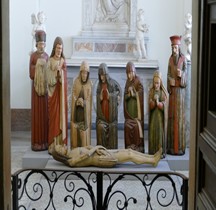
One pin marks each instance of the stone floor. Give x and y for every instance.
(23, 157)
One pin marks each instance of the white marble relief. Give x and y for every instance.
(111, 11)
(103, 17)
(114, 31)
(84, 47)
(110, 47)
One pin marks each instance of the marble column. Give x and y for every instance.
(187, 104)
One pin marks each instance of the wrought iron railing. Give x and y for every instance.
(98, 190)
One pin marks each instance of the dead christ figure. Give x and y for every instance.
(99, 156)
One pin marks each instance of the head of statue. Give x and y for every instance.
(40, 37)
(57, 50)
(175, 40)
(157, 80)
(103, 72)
(84, 71)
(130, 71)
(175, 44)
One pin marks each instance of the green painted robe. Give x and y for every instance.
(157, 122)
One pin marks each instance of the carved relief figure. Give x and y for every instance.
(57, 92)
(176, 85)
(107, 99)
(110, 11)
(99, 156)
(141, 28)
(133, 110)
(158, 113)
(39, 101)
(38, 24)
(188, 35)
(81, 108)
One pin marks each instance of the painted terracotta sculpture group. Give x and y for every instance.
(49, 110)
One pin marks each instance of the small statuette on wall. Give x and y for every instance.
(188, 35)
(141, 29)
(38, 23)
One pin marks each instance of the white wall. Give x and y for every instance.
(64, 18)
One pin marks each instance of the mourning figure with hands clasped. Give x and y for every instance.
(57, 95)
(133, 110)
(107, 98)
(81, 108)
(158, 113)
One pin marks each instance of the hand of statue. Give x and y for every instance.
(156, 98)
(172, 82)
(83, 157)
(41, 61)
(58, 75)
(57, 67)
(179, 72)
(119, 99)
(58, 71)
(107, 93)
(152, 104)
(80, 102)
(100, 151)
(101, 95)
(130, 91)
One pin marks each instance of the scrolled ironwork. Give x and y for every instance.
(162, 193)
(101, 190)
(76, 199)
(147, 187)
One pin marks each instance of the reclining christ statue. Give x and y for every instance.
(99, 156)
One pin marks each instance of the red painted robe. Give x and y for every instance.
(105, 102)
(39, 106)
(57, 102)
(134, 116)
(107, 114)
(176, 114)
